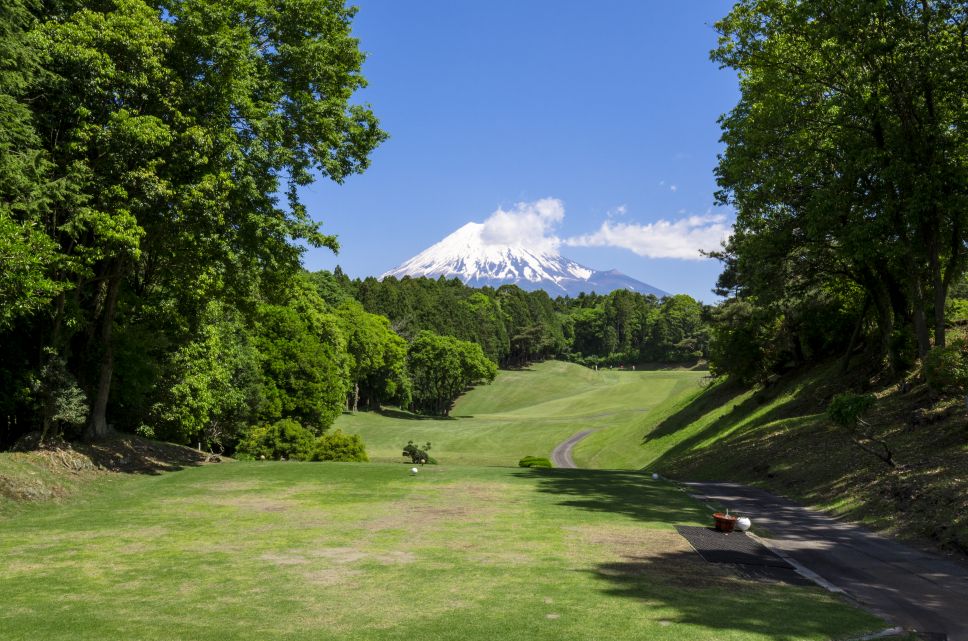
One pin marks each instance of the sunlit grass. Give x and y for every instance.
(351, 551)
(529, 412)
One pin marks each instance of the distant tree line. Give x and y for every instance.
(515, 327)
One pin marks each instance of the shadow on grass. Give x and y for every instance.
(124, 453)
(712, 597)
(390, 412)
(632, 494)
(672, 367)
(708, 402)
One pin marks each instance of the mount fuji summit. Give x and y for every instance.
(466, 255)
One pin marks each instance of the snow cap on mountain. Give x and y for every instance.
(502, 251)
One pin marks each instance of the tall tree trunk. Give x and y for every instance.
(885, 320)
(98, 427)
(920, 319)
(356, 396)
(940, 296)
(855, 335)
(943, 282)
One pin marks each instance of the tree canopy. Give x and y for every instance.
(846, 160)
(152, 156)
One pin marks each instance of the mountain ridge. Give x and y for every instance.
(464, 254)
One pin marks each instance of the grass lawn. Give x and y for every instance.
(529, 412)
(269, 551)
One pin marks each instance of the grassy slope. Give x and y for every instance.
(776, 438)
(529, 412)
(273, 551)
(779, 439)
(64, 470)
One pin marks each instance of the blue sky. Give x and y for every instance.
(609, 107)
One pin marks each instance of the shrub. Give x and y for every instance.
(847, 408)
(338, 446)
(534, 461)
(285, 438)
(418, 455)
(946, 368)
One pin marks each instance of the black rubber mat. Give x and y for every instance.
(716, 547)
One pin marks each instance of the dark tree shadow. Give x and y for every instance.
(391, 412)
(633, 494)
(124, 453)
(712, 596)
(710, 401)
(716, 597)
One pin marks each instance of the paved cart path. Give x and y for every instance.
(561, 455)
(915, 589)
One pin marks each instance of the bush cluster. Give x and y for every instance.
(287, 439)
(946, 368)
(338, 446)
(534, 461)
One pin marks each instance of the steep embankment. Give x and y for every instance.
(60, 469)
(779, 438)
(529, 412)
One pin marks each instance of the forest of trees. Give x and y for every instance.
(846, 160)
(151, 155)
(515, 327)
(151, 231)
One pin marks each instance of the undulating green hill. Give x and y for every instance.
(530, 411)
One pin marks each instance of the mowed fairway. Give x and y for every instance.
(268, 551)
(528, 412)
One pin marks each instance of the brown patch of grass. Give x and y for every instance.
(336, 576)
(396, 557)
(503, 558)
(340, 554)
(284, 558)
(229, 486)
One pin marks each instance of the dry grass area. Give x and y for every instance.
(58, 469)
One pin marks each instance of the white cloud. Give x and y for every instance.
(673, 188)
(529, 225)
(682, 238)
(621, 210)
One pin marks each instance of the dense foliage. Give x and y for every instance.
(846, 160)
(535, 461)
(148, 269)
(515, 327)
(444, 367)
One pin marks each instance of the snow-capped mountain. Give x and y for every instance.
(465, 255)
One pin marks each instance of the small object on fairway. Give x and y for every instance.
(413, 470)
(655, 476)
(743, 523)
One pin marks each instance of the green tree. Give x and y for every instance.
(376, 358)
(213, 387)
(27, 254)
(303, 368)
(846, 157)
(176, 125)
(442, 368)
